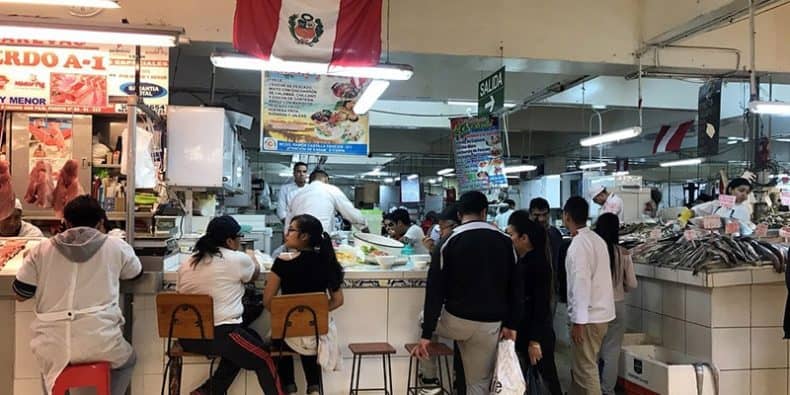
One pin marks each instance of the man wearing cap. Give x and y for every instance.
(13, 226)
(609, 202)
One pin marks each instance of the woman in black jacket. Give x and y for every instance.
(536, 339)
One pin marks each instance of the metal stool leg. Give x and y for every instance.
(408, 380)
(384, 371)
(359, 373)
(353, 371)
(450, 375)
(389, 370)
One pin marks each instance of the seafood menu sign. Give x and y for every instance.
(78, 78)
(478, 153)
(312, 114)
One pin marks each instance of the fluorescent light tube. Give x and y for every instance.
(450, 175)
(519, 169)
(24, 28)
(69, 3)
(769, 107)
(440, 179)
(431, 181)
(682, 162)
(611, 136)
(389, 180)
(372, 93)
(783, 140)
(445, 172)
(398, 72)
(468, 103)
(284, 174)
(595, 165)
(620, 173)
(413, 177)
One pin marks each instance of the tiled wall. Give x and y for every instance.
(369, 314)
(737, 328)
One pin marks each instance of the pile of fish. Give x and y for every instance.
(711, 251)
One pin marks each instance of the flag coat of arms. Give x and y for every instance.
(670, 137)
(335, 32)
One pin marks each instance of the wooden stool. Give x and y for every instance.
(442, 353)
(361, 349)
(96, 375)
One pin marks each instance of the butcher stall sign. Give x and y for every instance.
(77, 78)
(312, 114)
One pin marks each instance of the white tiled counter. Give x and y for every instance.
(731, 318)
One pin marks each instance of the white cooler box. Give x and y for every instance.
(664, 371)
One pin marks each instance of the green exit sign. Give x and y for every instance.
(491, 93)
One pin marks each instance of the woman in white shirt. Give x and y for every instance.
(217, 269)
(623, 280)
(740, 188)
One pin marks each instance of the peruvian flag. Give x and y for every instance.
(669, 138)
(335, 32)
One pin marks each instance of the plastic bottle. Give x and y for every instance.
(407, 250)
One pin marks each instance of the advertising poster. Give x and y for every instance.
(312, 114)
(37, 76)
(50, 146)
(477, 143)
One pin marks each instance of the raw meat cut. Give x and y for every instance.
(40, 185)
(79, 89)
(49, 133)
(10, 249)
(7, 196)
(68, 187)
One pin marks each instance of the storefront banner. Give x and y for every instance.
(477, 144)
(74, 78)
(312, 114)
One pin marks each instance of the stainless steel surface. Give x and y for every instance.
(81, 151)
(148, 283)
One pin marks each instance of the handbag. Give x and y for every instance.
(534, 381)
(253, 304)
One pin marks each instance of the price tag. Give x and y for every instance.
(711, 222)
(732, 227)
(784, 232)
(762, 230)
(690, 235)
(655, 234)
(785, 197)
(727, 201)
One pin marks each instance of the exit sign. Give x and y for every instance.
(491, 93)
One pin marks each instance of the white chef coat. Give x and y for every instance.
(414, 236)
(77, 281)
(590, 292)
(29, 230)
(322, 200)
(739, 211)
(614, 205)
(287, 192)
(221, 276)
(502, 218)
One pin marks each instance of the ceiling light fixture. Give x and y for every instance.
(440, 179)
(431, 181)
(26, 28)
(519, 169)
(469, 103)
(609, 137)
(413, 177)
(397, 72)
(769, 107)
(782, 140)
(620, 173)
(389, 180)
(372, 92)
(595, 165)
(69, 3)
(445, 172)
(682, 162)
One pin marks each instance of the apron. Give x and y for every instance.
(89, 334)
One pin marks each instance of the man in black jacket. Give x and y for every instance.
(475, 280)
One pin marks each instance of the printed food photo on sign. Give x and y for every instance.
(313, 114)
(78, 89)
(49, 147)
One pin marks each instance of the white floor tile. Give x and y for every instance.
(734, 382)
(769, 350)
(730, 348)
(730, 307)
(769, 382)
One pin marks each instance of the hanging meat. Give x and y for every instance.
(7, 196)
(67, 188)
(40, 185)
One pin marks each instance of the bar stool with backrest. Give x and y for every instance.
(183, 316)
(298, 315)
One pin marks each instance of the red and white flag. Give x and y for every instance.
(670, 138)
(336, 32)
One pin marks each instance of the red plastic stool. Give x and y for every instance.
(96, 375)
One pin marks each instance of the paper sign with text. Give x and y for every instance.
(727, 201)
(762, 230)
(732, 227)
(711, 222)
(785, 198)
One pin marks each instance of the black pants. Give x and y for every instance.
(312, 371)
(546, 366)
(239, 348)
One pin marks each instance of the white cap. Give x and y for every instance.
(17, 204)
(596, 190)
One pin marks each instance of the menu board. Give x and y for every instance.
(477, 143)
(77, 77)
(312, 114)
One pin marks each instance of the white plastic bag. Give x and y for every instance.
(145, 170)
(508, 379)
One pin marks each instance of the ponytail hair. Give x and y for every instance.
(219, 230)
(321, 243)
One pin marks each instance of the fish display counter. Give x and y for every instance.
(720, 300)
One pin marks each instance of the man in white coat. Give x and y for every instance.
(288, 191)
(322, 200)
(74, 280)
(609, 202)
